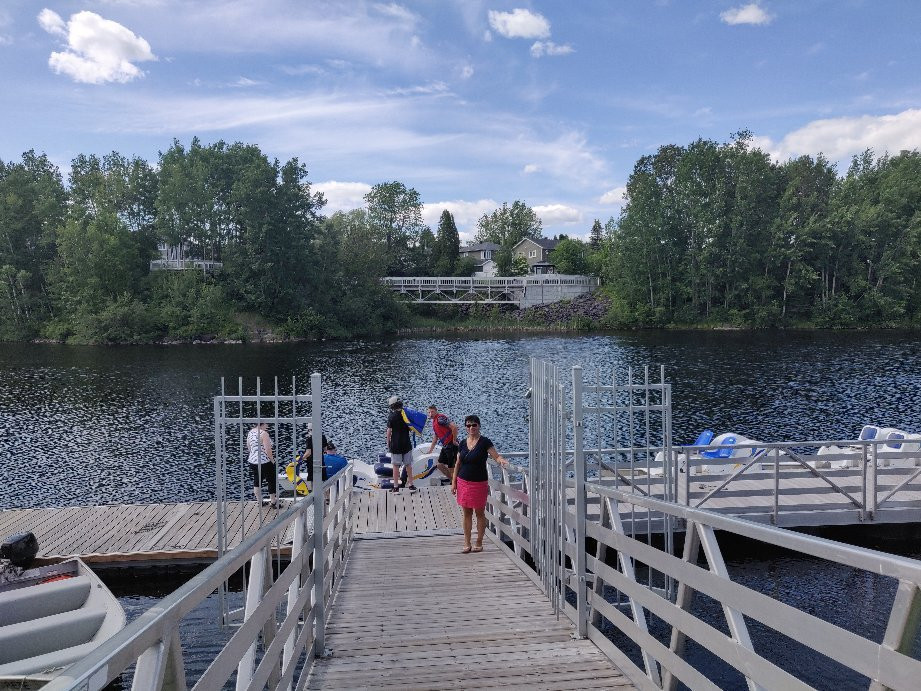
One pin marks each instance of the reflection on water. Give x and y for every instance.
(81, 425)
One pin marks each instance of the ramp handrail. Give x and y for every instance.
(263, 649)
(616, 557)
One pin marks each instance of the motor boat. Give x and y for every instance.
(50, 617)
(894, 448)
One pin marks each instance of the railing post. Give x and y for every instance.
(254, 592)
(294, 589)
(776, 486)
(319, 504)
(579, 462)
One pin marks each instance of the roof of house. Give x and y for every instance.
(546, 243)
(479, 247)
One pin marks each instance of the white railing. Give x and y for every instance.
(578, 540)
(177, 264)
(610, 593)
(265, 649)
(513, 282)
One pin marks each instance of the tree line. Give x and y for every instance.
(718, 233)
(710, 233)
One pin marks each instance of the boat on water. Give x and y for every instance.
(893, 448)
(365, 476)
(50, 617)
(725, 457)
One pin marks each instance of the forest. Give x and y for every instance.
(710, 234)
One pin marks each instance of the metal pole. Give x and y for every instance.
(579, 462)
(319, 565)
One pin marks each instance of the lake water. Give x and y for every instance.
(84, 425)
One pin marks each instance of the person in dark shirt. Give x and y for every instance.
(471, 480)
(399, 445)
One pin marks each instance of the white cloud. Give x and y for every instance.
(552, 214)
(840, 138)
(747, 14)
(397, 12)
(246, 82)
(51, 22)
(421, 90)
(519, 23)
(531, 168)
(342, 196)
(541, 48)
(466, 71)
(613, 196)
(99, 50)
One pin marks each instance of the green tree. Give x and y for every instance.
(509, 225)
(570, 256)
(595, 236)
(271, 268)
(32, 209)
(447, 245)
(395, 212)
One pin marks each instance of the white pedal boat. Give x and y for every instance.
(368, 476)
(713, 461)
(895, 448)
(50, 617)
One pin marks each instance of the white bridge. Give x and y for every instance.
(523, 291)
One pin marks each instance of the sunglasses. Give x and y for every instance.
(472, 424)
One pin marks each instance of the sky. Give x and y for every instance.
(471, 103)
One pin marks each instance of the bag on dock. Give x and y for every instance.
(20, 549)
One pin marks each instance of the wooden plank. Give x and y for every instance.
(496, 629)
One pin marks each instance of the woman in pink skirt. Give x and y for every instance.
(471, 480)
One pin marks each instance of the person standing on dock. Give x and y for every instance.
(471, 480)
(446, 434)
(262, 461)
(398, 444)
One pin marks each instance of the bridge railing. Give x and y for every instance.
(266, 649)
(613, 590)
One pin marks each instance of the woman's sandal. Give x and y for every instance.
(467, 550)
(477, 548)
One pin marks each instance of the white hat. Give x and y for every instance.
(393, 400)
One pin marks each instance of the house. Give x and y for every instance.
(536, 251)
(482, 254)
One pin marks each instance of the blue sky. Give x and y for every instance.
(471, 103)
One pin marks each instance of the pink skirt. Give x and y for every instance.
(472, 495)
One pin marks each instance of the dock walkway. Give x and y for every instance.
(413, 612)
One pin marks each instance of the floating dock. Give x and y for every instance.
(157, 534)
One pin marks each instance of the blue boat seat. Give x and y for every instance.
(868, 433)
(703, 438)
(723, 452)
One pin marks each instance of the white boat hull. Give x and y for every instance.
(50, 617)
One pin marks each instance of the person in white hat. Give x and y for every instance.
(399, 444)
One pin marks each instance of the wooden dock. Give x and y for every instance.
(123, 534)
(413, 612)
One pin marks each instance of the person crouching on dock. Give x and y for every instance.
(471, 480)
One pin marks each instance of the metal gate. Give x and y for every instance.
(614, 428)
(295, 420)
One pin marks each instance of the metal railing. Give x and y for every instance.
(506, 290)
(569, 533)
(205, 265)
(266, 649)
(605, 580)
